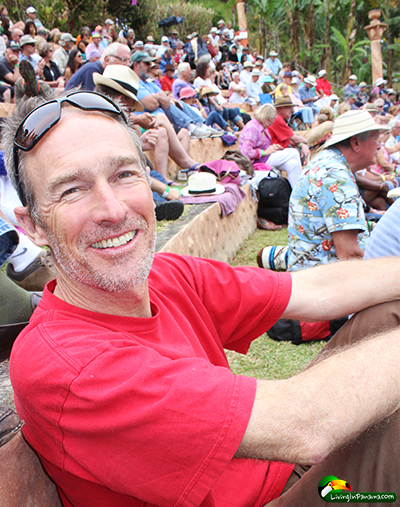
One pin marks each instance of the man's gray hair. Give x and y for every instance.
(10, 128)
(394, 123)
(346, 143)
(111, 50)
(182, 67)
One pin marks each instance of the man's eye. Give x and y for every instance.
(70, 191)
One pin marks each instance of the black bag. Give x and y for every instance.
(297, 331)
(273, 204)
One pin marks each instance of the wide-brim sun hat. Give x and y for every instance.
(351, 124)
(202, 184)
(273, 53)
(380, 81)
(207, 92)
(248, 64)
(26, 39)
(319, 134)
(321, 73)
(122, 79)
(284, 102)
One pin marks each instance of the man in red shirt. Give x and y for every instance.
(168, 79)
(121, 375)
(281, 133)
(323, 85)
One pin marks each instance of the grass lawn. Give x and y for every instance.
(267, 358)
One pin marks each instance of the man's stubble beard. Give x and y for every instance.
(82, 271)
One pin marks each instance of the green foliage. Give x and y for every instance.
(144, 17)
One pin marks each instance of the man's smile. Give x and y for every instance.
(114, 242)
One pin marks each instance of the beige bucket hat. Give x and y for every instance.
(352, 123)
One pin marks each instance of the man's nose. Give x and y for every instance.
(107, 205)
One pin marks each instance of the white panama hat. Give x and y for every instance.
(351, 124)
(203, 183)
(122, 79)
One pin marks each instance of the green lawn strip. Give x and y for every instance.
(269, 359)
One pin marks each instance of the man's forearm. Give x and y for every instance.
(341, 288)
(304, 418)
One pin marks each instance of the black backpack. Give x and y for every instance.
(274, 194)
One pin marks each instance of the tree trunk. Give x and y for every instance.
(327, 50)
(350, 43)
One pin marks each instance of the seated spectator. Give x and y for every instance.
(287, 79)
(130, 38)
(164, 46)
(273, 64)
(351, 101)
(256, 143)
(384, 240)
(84, 41)
(323, 86)
(308, 94)
(74, 63)
(30, 29)
(306, 114)
(28, 51)
(253, 88)
(351, 86)
(94, 49)
(51, 72)
(326, 214)
(362, 97)
(379, 85)
(238, 89)
(67, 43)
(392, 144)
(245, 73)
(184, 73)
(167, 79)
(232, 54)
(189, 97)
(166, 59)
(282, 134)
(9, 71)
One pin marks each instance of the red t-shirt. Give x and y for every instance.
(280, 132)
(166, 83)
(135, 412)
(324, 85)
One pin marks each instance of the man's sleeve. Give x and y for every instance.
(281, 132)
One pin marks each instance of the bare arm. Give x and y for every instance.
(337, 289)
(393, 149)
(346, 245)
(296, 139)
(304, 418)
(150, 102)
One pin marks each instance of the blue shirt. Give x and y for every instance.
(147, 88)
(306, 93)
(274, 66)
(385, 237)
(84, 76)
(325, 200)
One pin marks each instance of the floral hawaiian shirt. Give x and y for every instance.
(325, 200)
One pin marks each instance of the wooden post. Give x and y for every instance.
(375, 31)
(242, 20)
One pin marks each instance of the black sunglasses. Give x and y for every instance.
(39, 121)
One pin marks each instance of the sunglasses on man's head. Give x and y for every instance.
(39, 121)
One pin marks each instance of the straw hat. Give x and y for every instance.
(248, 64)
(351, 124)
(284, 102)
(318, 135)
(321, 73)
(206, 92)
(203, 184)
(273, 53)
(122, 79)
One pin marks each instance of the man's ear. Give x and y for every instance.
(35, 232)
(355, 144)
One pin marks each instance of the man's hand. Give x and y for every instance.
(305, 150)
(149, 139)
(164, 101)
(144, 120)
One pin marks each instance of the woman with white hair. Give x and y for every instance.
(255, 142)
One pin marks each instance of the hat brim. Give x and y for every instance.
(339, 138)
(209, 94)
(219, 189)
(111, 83)
(284, 105)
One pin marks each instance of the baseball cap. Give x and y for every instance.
(221, 21)
(164, 39)
(363, 84)
(141, 56)
(353, 77)
(169, 67)
(150, 38)
(108, 21)
(13, 45)
(321, 73)
(30, 10)
(67, 37)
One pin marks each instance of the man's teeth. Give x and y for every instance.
(110, 243)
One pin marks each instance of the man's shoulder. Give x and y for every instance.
(5, 67)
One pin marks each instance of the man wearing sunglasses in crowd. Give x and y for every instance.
(121, 377)
(114, 54)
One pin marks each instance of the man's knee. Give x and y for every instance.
(184, 134)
